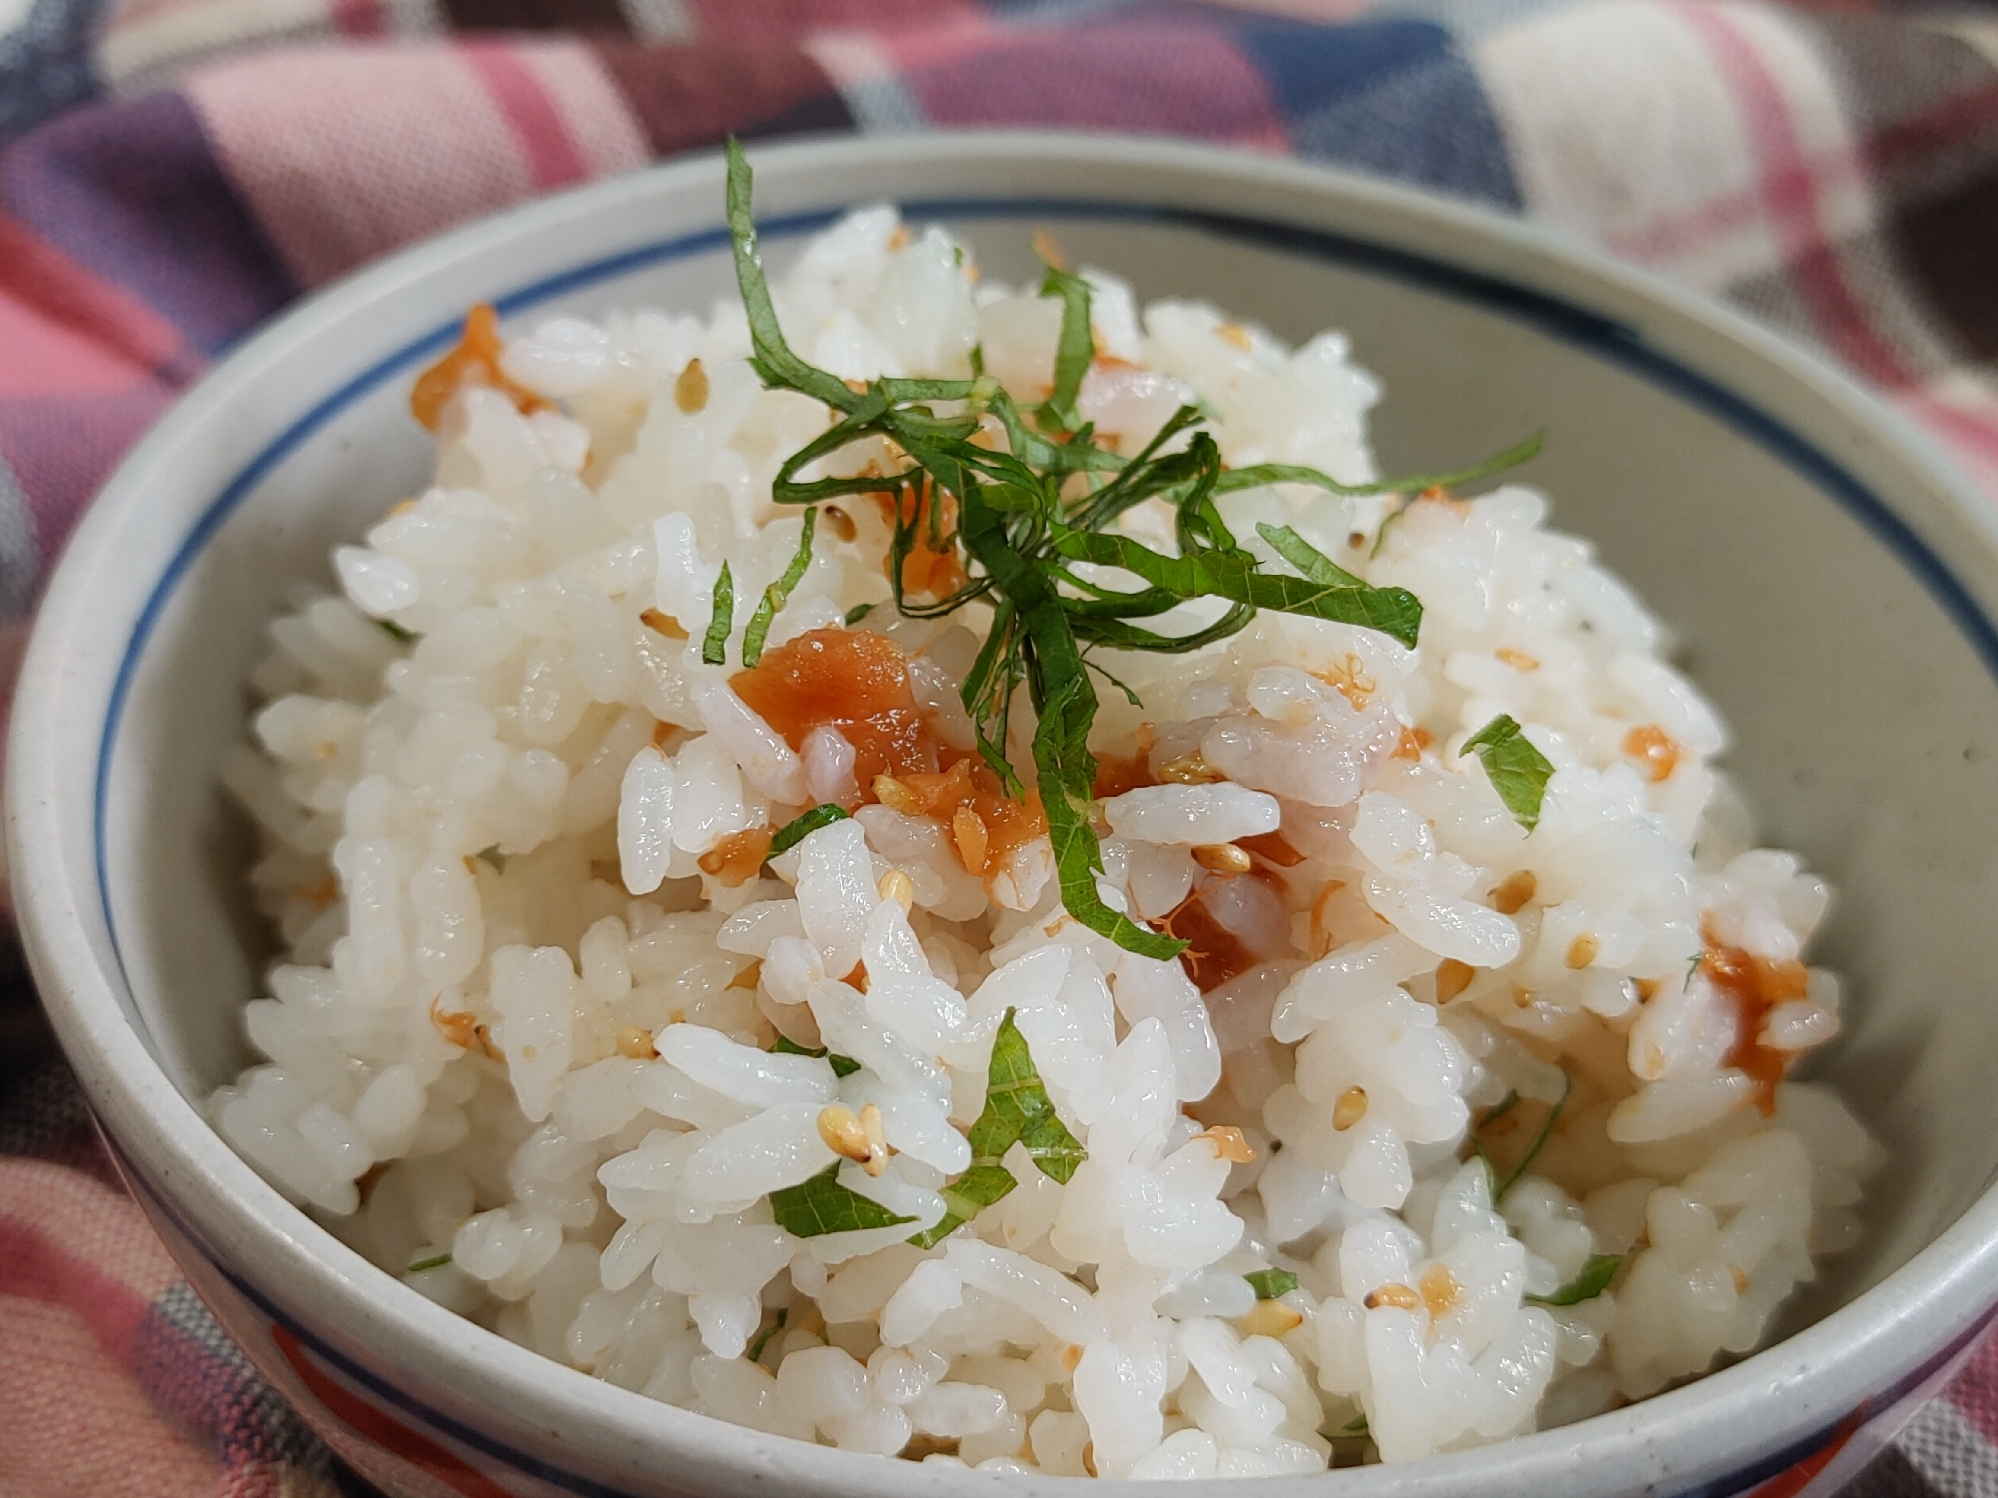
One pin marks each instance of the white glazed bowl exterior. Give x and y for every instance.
(1793, 530)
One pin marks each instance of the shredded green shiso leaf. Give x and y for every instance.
(1025, 515)
(800, 827)
(1271, 1284)
(821, 1205)
(1500, 1186)
(964, 1198)
(1017, 1110)
(1593, 1279)
(714, 644)
(843, 1066)
(777, 595)
(1518, 771)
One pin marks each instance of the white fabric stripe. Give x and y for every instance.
(867, 80)
(13, 13)
(1950, 1452)
(1616, 119)
(1624, 126)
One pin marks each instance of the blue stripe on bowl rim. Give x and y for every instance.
(1566, 322)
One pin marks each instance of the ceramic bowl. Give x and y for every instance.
(1833, 583)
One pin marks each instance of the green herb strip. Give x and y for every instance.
(771, 356)
(857, 613)
(964, 1198)
(1539, 1141)
(1594, 1278)
(397, 632)
(821, 1205)
(1271, 1284)
(1020, 527)
(1413, 483)
(799, 828)
(778, 594)
(1017, 1109)
(1387, 524)
(776, 1325)
(1066, 703)
(422, 1264)
(843, 1066)
(1075, 350)
(1498, 1110)
(1518, 771)
(1395, 612)
(714, 647)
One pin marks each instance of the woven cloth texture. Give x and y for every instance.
(174, 172)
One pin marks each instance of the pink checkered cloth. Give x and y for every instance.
(172, 172)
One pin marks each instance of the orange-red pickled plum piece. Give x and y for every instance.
(986, 826)
(1273, 847)
(853, 681)
(1214, 954)
(926, 572)
(475, 361)
(1654, 749)
(1755, 985)
(1118, 773)
(734, 860)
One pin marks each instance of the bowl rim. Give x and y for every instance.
(1834, 1366)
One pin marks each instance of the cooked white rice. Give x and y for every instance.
(518, 1024)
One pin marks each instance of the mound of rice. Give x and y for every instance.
(521, 1041)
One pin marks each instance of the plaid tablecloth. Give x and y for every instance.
(172, 172)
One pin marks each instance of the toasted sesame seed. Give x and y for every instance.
(1350, 1109)
(1271, 1318)
(661, 622)
(1403, 1297)
(1222, 858)
(690, 391)
(969, 833)
(1189, 769)
(1440, 1290)
(896, 796)
(844, 1134)
(897, 886)
(1452, 978)
(1514, 891)
(1229, 1142)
